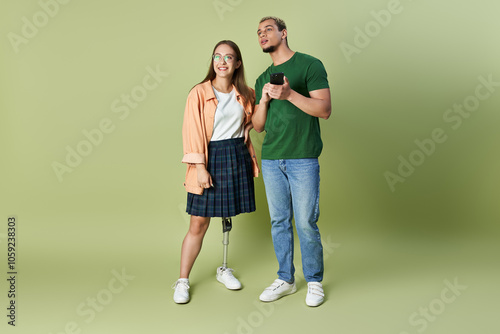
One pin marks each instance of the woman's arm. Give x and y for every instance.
(193, 130)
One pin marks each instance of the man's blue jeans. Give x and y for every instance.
(292, 189)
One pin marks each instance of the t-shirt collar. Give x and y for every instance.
(209, 92)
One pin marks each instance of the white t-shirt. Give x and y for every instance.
(229, 117)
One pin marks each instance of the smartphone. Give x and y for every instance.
(277, 78)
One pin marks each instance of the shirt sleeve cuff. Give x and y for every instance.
(194, 158)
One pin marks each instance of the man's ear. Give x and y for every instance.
(284, 33)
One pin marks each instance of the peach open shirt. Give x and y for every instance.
(197, 130)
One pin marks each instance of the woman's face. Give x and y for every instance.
(225, 62)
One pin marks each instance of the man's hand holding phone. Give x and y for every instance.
(278, 88)
(281, 89)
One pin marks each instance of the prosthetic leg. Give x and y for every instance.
(225, 274)
(227, 225)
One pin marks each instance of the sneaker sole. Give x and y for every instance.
(294, 289)
(181, 301)
(315, 304)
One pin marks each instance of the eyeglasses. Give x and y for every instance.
(227, 58)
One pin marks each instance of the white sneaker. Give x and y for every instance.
(181, 294)
(278, 289)
(225, 276)
(315, 295)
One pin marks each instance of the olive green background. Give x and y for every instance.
(388, 253)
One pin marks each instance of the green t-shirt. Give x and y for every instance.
(290, 132)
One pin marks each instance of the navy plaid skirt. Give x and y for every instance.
(230, 166)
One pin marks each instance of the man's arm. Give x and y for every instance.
(260, 114)
(318, 105)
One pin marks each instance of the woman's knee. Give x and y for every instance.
(198, 225)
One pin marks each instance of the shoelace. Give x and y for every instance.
(184, 284)
(229, 271)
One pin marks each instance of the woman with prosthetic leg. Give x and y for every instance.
(220, 158)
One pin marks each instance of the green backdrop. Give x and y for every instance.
(92, 100)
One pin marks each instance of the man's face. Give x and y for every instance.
(269, 35)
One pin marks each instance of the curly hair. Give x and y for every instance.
(279, 23)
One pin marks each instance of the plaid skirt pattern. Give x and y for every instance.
(230, 166)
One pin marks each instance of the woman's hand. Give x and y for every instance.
(204, 178)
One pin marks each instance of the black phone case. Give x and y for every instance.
(277, 78)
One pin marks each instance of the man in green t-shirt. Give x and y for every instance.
(289, 113)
